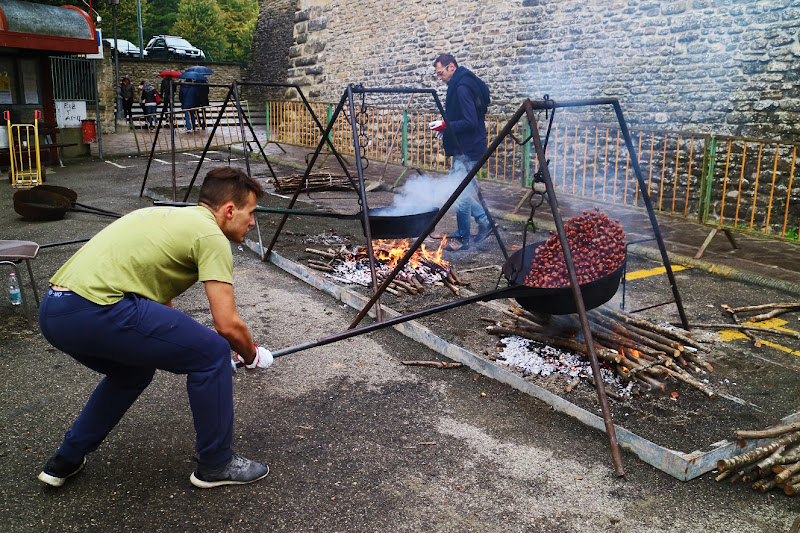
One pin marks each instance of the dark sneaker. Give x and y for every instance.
(237, 471)
(58, 469)
(483, 232)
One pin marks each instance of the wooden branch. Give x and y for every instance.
(771, 314)
(602, 353)
(696, 359)
(792, 490)
(787, 473)
(322, 253)
(434, 364)
(764, 485)
(323, 268)
(765, 465)
(686, 378)
(764, 306)
(756, 340)
(640, 335)
(757, 453)
(680, 337)
(745, 327)
(767, 433)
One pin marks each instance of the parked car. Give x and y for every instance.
(126, 48)
(171, 47)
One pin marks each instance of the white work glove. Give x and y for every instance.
(263, 359)
(437, 125)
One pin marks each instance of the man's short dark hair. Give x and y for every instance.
(445, 59)
(225, 184)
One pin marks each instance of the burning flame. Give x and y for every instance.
(392, 250)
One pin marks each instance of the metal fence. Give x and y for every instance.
(729, 182)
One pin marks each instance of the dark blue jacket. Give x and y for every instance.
(465, 109)
(188, 96)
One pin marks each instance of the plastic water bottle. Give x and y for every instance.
(13, 290)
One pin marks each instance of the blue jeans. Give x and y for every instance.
(127, 341)
(189, 120)
(467, 204)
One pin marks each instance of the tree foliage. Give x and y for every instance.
(222, 28)
(200, 22)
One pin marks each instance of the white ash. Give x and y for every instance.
(356, 271)
(329, 240)
(534, 358)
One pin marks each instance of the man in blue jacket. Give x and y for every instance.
(188, 97)
(464, 138)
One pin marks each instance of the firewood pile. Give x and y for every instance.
(352, 266)
(772, 465)
(316, 182)
(644, 355)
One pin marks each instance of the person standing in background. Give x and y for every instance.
(464, 138)
(149, 103)
(127, 93)
(188, 97)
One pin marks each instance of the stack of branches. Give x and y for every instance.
(316, 182)
(406, 282)
(773, 464)
(769, 311)
(636, 349)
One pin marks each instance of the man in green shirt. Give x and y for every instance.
(110, 308)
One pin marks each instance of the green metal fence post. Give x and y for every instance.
(707, 178)
(526, 156)
(405, 137)
(328, 118)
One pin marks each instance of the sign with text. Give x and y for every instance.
(69, 113)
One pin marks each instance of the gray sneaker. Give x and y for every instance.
(237, 471)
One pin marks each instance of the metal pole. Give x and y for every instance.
(119, 113)
(364, 206)
(139, 22)
(611, 433)
(623, 126)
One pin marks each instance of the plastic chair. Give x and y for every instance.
(11, 253)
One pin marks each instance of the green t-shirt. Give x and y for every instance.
(156, 252)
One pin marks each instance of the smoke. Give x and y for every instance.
(421, 194)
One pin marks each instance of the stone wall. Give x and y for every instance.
(144, 69)
(272, 38)
(715, 66)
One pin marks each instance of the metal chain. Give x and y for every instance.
(362, 119)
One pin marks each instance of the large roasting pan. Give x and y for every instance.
(558, 301)
(72, 196)
(39, 204)
(384, 226)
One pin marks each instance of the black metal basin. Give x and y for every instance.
(559, 301)
(385, 226)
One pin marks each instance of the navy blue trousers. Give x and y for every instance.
(127, 342)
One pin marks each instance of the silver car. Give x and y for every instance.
(126, 48)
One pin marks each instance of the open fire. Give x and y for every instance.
(351, 265)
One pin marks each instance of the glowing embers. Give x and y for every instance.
(351, 265)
